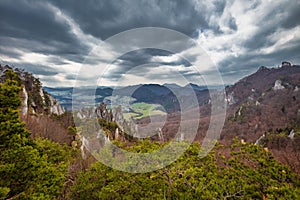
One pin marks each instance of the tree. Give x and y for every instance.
(249, 172)
(28, 169)
(12, 132)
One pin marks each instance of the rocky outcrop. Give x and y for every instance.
(84, 146)
(230, 98)
(292, 134)
(160, 135)
(35, 100)
(24, 109)
(103, 113)
(286, 64)
(118, 117)
(278, 85)
(55, 107)
(259, 140)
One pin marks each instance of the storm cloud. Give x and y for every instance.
(52, 39)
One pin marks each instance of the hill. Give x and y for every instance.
(245, 167)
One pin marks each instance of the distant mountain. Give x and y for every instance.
(196, 87)
(167, 95)
(171, 85)
(64, 95)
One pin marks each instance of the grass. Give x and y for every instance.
(141, 110)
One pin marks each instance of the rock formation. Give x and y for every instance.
(278, 85)
(35, 100)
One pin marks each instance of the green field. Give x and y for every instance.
(141, 110)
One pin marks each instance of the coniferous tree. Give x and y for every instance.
(28, 170)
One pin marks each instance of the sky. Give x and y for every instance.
(68, 43)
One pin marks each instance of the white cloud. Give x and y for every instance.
(282, 38)
(248, 16)
(166, 59)
(243, 28)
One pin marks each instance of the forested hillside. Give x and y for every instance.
(239, 171)
(29, 169)
(38, 168)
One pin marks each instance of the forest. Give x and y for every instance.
(37, 168)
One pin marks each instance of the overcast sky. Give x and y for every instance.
(53, 39)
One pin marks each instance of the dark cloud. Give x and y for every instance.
(40, 69)
(106, 18)
(232, 23)
(37, 69)
(285, 16)
(9, 52)
(53, 80)
(56, 61)
(71, 77)
(260, 39)
(238, 67)
(32, 20)
(140, 62)
(219, 6)
(293, 16)
(139, 57)
(16, 47)
(281, 19)
(144, 56)
(31, 26)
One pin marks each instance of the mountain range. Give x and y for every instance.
(165, 94)
(262, 108)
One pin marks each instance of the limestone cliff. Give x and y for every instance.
(35, 100)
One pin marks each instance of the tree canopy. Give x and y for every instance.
(29, 169)
(37, 168)
(243, 171)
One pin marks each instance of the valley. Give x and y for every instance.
(261, 125)
(150, 100)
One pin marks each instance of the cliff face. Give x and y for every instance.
(35, 100)
(43, 115)
(55, 107)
